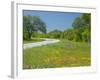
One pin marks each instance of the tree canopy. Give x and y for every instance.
(82, 27)
(32, 24)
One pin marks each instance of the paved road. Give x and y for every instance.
(45, 42)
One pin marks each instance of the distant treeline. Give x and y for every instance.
(33, 26)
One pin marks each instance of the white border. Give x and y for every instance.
(17, 70)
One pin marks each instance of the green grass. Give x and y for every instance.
(32, 40)
(62, 54)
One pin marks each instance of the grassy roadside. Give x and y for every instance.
(32, 40)
(62, 54)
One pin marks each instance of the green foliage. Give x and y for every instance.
(27, 27)
(55, 34)
(86, 36)
(69, 34)
(39, 35)
(38, 24)
(32, 24)
(82, 27)
(87, 18)
(78, 24)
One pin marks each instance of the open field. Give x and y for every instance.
(62, 54)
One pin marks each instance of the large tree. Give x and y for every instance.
(32, 24)
(38, 24)
(82, 27)
(86, 35)
(27, 27)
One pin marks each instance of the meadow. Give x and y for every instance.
(62, 54)
(72, 29)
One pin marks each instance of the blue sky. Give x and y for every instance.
(54, 20)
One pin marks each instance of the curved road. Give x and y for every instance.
(45, 42)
